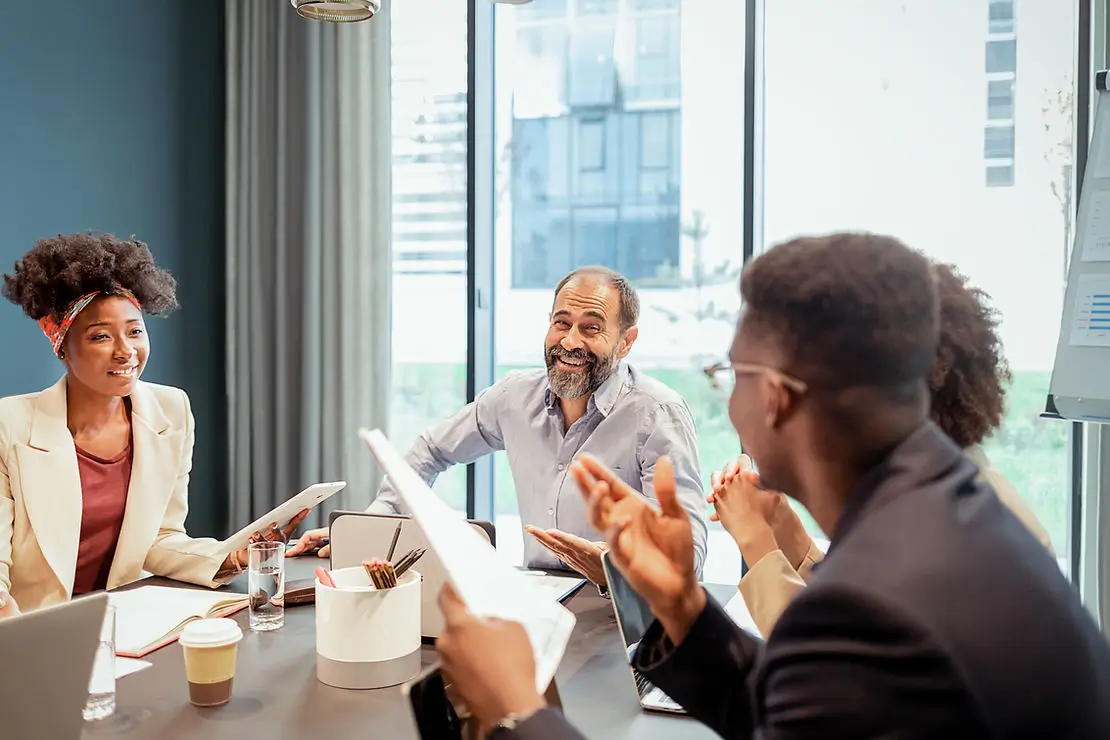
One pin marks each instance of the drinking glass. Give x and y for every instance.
(266, 585)
(102, 683)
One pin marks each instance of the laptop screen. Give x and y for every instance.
(633, 614)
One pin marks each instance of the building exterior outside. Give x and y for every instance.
(619, 139)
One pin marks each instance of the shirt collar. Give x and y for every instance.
(604, 398)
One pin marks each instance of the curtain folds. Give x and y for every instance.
(308, 253)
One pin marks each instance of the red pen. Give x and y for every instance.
(324, 576)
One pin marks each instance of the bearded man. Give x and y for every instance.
(586, 399)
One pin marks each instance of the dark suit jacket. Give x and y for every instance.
(935, 614)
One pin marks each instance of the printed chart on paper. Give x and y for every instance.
(1091, 322)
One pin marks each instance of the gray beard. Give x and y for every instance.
(575, 385)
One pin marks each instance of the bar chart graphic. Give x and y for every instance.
(1091, 325)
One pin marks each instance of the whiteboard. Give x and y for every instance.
(1080, 385)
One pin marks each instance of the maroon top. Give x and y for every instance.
(104, 485)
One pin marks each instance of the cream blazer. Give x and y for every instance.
(771, 583)
(40, 497)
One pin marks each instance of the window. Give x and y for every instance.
(1000, 175)
(893, 155)
(640, 170)
(1001, 16)
(1001, 56)
(998, 142)
(1000, 100)
(429, 223)
(599, 174)
(998, 136)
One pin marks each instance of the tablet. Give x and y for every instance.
(306, 499)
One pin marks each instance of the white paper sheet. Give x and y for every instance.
(1091, 316)
(127, 666)
(1096, 234)
(556, 587)
(489, 586)
(738, 612)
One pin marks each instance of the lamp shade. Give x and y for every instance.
(337, 11)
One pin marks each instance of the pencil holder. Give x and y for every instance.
(366, 638)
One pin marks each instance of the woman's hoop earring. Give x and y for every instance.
(61, 354)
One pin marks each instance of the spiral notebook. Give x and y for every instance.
(150, 617)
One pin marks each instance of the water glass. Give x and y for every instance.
(266, 585)
(102, 683)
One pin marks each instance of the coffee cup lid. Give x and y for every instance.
(211, 633)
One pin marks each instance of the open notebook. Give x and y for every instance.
(150, 617)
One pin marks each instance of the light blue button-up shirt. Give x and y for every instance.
(630, 421)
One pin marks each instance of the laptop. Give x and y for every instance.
(633, 619)
(48, 660)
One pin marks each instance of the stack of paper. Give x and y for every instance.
(489, 586)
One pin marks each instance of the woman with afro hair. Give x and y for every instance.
(967, 387)
(94, 470)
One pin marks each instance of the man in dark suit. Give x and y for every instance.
(935, 614)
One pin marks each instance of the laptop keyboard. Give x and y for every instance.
(645, 688)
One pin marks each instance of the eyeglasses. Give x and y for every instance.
(722, 376)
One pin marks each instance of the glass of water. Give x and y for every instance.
(102, 683)
(266, 585)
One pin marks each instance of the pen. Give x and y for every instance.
(393, 545)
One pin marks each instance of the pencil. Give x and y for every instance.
(393, 545)
(405, 562)
(403, 568)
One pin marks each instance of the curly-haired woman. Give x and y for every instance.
(967, 387)
(94, 470)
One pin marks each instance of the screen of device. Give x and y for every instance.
(431, 708)
(633, 613)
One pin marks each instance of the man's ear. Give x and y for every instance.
(780, 403)
(626, 342)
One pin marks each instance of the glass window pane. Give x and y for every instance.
(1001, 16)
(593, 75)
(1000, 99)
(1002, 56)
(893, 154)
(665, 208)
(998, 142)
(429, 222)
(1000, 176)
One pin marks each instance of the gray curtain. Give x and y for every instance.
(308, 253)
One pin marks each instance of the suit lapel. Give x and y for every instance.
(154, 465)
(51, 483)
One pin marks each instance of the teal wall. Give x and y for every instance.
(112, 118)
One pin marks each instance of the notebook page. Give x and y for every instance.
(489, 586)
(146, 614)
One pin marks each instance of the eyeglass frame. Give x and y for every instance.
(750, 368)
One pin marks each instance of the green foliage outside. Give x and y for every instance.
(1031, 452)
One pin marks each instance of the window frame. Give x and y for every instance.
(480, 205)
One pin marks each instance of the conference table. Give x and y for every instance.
(276, 693)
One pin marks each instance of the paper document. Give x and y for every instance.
(1091, 317)
(127, 666)
(738, 612)
(556, 587)
(1096, 231)
(149, 617)
(489, 586)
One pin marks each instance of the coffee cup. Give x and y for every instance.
(210, 646)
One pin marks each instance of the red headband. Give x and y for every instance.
(56, 331)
